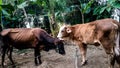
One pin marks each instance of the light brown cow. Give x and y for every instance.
(103, 32)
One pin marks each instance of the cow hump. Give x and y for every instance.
(5, 32)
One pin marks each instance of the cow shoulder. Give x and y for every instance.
(38, 32)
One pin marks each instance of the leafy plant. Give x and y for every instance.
(104, 11)
(14, 12)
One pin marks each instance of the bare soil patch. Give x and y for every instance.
(95, 55)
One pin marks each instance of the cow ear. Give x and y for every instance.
(68, 30)
(5, 32)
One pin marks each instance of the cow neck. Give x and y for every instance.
(48, 38)
(75, 29)
(72, 33)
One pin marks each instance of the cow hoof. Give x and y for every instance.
(2, 67)
(36, 64)
(13, 66)
(111, 67)
(84, 63)
(40, 63)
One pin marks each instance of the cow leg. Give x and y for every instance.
(4, 50)
(119, 65)
(83, 50)
(108, 46)
(10, 55)
(111, 61)
(37, 56)
(117, 58)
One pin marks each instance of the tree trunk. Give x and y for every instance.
(53, 24)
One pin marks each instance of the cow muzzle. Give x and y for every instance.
(60, 49)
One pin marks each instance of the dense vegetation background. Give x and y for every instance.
(49, 14)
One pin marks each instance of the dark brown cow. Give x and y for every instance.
(103, 32)
(23, 38)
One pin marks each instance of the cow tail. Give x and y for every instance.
(117, 42)
(1, 39)
(0, 44)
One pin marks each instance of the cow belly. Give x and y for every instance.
(23, 46)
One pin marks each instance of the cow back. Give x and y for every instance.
(21, 34)
(21, 37)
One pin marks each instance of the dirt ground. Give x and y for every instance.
(95, 55)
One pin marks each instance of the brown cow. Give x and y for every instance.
(23, 38)
(103, 32)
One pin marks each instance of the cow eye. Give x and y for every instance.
(62, 31)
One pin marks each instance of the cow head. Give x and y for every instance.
(60, 47)
(64, 32)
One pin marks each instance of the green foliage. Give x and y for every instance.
(0, 2)
(23, 4)
(79, 11)
(104, 11)
(13, 15)
(7, 16)
(116, 4)
(87, 6)
(70, 11)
